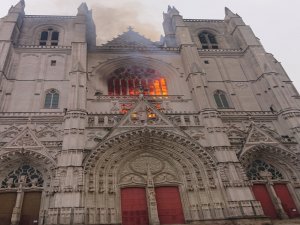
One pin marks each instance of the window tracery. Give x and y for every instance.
(26, 174)
(221, 99)
(51, 99)
(208, 40)
(49, 37)
(134, 80)
(258, 167)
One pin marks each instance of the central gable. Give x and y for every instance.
(130, 38)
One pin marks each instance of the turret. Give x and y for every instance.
(12, 22)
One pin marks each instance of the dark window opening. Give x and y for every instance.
(208, 40)
(49, 37)
(51, 99)
(53, 62)
(44, 36)
(221, 99)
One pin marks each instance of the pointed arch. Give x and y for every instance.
(149, 136)
(102, 72)
(278, 157)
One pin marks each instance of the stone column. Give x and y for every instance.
(152, 206)
(276, 201)
(16, 215)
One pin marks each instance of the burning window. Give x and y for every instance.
(135, 80)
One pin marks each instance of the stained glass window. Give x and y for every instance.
(131, 80)
(32, 177)
(258, 166)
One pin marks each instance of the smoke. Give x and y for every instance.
(111, 17)
(112, 21)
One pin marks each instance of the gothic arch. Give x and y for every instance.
(281, 158)
(37, 30)
(173, 160)
(148, 135)
(108, 66)
(104, 69)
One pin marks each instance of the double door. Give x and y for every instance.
(30, 208)
(262, 194)
(135, 207)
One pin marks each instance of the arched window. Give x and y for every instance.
(259, 168)
(208, 40)
(49, 37)
(51, 99)
(134, 80)
(29, 176)
(221, 99)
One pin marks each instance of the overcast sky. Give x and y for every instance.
(275, 22)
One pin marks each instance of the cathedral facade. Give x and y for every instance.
(201, 127)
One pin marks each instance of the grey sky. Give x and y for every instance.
(275, 22)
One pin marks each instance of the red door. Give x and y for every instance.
(134, 206)
(261, 194)
(7, 204)
(169, 205)
(287, 201)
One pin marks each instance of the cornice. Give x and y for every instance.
(49, 17)
(128, 48)
(204, 20)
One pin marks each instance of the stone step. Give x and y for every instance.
(287, 222)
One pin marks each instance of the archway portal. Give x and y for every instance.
(150, 191)
(21, 189)
(268, 186)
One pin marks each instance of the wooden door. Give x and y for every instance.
(287, 201)
(169, 205)
(7, 204)
(30, 208)
(261, 194)
(134, 206)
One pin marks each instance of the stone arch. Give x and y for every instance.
(287, 162)
(104, 69)
(277, 169)
(186, 165)
(36, 30)
(130, 137)
(36, 177)
(11, 160)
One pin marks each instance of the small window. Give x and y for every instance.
(49, 37)
(51, 99)
(208, 40)
(221, 99)
(53, 63)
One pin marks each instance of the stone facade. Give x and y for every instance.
(222, 127)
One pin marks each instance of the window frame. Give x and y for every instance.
(219, 97)
(50, 41)
(209, 40)
(51, 105)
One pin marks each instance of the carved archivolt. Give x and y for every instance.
(278, 157)
(179, 145)
(136, 171)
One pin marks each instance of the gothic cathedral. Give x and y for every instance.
(201, 127)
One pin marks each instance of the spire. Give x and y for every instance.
(19, 7)
(83, 9)
(229, 13)
(172, 11)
